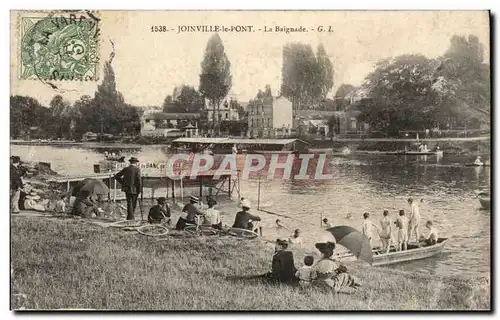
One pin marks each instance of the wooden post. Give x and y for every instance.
(114, 191)
(68, 186)
(173, 189)
(229, 190)
(258, 196)
(182, 189)
(166, 196)
(201, 188)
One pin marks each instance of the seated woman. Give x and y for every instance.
(283, 266)
(212, 215)
(328, 273)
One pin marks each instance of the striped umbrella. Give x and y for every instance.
(354, 241)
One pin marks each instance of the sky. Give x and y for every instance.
(149, 65)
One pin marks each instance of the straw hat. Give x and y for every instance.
(245, 204)
(133, 160)
(194, 199)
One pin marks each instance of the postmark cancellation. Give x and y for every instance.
(58, 46)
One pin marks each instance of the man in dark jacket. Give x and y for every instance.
(16, 183)
(159, 212)
(192, 209)
(242, 219)
(130, 180)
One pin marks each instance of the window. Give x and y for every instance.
(269, 122)
(353, 123)
(257, 122)
(251, 123)
(227, 115)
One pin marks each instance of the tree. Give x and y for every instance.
(324, 79)
(215, 78)
(167, 102)
(190, 98)
(462, 70)
(26, 113)
(300, 75)
(61, 113)
(344, 90)
(401, 96)
(109, 105)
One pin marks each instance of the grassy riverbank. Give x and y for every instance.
(72, 264)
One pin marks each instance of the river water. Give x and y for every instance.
(360, 183)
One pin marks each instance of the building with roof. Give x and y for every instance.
(170, 124)
(227, 110)
(270, 117)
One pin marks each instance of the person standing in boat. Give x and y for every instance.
(386, 231)
(235, 149)
(402, 225)
(368, 226)
(131, 181)
(414, 220)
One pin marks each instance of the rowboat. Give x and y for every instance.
(393, 257)
(416, 153)
(485, 200)
(477, 165)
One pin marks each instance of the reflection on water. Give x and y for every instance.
(360, 183)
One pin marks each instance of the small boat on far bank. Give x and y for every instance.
(393, 257)
(484, 200)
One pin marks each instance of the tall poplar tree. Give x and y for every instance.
(215, 77)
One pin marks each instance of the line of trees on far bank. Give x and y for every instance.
(106, 112)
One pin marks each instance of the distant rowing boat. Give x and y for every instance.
(413, 253)
(415, 153)
(477, 165)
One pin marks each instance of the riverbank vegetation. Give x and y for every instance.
(73, 264)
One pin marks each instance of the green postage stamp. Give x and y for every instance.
(59, 45)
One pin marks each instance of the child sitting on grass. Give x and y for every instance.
(304, 273)
(61, 204)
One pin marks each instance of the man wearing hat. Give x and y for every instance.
(243, 218)
(159, 212)
(192, 210)
(16, 183)
(130, 180)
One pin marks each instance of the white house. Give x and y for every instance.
(226, 110)
(169, 124)
(271, 117)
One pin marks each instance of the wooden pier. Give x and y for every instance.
(225, 183)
